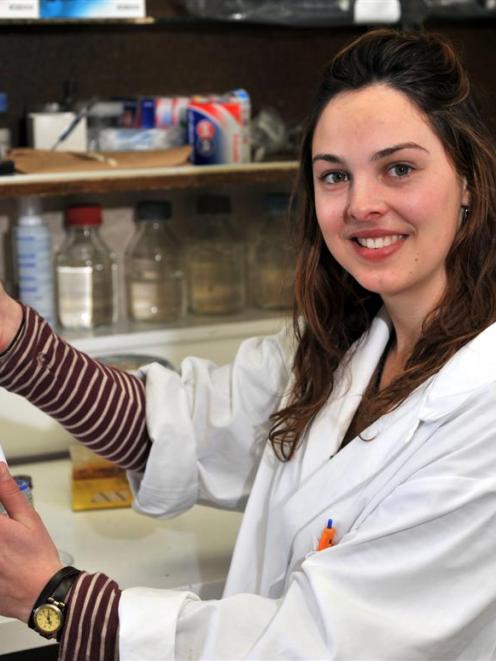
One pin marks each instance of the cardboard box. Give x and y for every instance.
(96, 482)
(45, 128)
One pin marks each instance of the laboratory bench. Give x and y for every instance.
(191, 551)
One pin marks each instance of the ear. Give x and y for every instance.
(466, 197)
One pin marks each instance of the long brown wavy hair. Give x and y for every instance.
(331, 309)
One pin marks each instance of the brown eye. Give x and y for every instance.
(335, 177)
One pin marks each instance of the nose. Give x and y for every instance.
(366, 200)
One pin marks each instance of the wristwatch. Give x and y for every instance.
(47, 616)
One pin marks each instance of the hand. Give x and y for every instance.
(28, 557)
(10, 318)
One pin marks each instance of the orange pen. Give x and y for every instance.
(327, 537)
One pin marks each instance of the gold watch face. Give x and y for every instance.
(48, 618)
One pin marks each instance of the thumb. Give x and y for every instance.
(11, 497)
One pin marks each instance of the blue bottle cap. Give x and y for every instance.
(22, 484)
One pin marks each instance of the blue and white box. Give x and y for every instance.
(92, 9)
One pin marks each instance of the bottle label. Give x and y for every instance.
(35, 269)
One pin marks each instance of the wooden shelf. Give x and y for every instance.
(135, 336)
(119, 181)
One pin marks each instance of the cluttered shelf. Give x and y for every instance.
(146, 179)
(196, 15)
(247, 15)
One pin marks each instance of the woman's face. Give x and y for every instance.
(387, 197)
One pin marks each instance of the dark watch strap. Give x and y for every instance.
(57, 587)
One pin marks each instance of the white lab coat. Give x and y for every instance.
(412, 574)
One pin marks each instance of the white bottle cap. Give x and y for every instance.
(5, 138)
(30, 211)
(377, 11)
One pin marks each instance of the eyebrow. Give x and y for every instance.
(383, 153)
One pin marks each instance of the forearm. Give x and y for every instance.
(100, 406)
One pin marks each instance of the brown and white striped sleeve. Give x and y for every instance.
(90, 631)
(102, 407)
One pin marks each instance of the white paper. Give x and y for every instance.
(2, 455)
(377, 11)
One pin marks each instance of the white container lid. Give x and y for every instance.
(30, 211)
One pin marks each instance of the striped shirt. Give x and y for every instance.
(92, 619)
(103, 408)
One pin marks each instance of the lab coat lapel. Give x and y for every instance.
(342, 487)
(328, 429)
(339, 489)
(360, 469)
(298, 489)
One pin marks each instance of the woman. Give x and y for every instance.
(381, 414)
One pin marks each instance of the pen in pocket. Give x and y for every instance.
(327, 537)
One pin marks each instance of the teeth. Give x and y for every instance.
(380, 242)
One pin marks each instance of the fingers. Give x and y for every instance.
(12, 499)
(28, 557)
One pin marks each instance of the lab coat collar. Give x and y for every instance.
(329, 427)
(472, 368)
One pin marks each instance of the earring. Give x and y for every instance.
(465, 214)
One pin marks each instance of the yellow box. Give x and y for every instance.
(96, 482)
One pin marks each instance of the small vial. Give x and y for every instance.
(24, 483)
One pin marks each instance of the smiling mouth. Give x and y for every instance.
(380, 241)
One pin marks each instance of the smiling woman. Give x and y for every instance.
(388, 208)
(395, 159)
